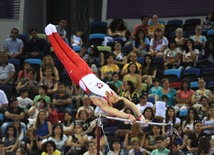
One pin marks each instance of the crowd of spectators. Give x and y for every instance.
(48, 116)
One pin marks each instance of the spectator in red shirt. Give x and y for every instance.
(52, 114)
(144, 26)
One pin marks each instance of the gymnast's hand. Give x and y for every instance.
(132, 118)
(143, 120)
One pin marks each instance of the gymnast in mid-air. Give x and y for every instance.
(81, 74)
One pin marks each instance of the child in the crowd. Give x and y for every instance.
(136, 149)
(117, 82)
(23, 73)
(76, 39)
(175, 149)
(42, 94)
(159, 140)
(156, 86)
(23, 100)
(52, 114)
(19, 130)
(20, 151)
(160, 108)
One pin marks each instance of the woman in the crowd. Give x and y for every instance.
(96, 57)
(23, 73)
(116, 148)
(180, 138)
(49, 81)
(193, 139)
(135, 132)
(180, 41)
(43, 127)
(158, 44)
(33, 143)
(120, 57)
(171, 56)
(67, 121)
(208, 22)
(117, 82)
(48, 61)
(78, 140)
(133, 76)
(201, 91)
(50, 149)
(129, 92)
(58, 138)
(170, 92)
(187, 125)
(204, 146)
(183, 96)
(202, 111)
(208, 122)
(19, 130)
(140, 44)
(149, 70)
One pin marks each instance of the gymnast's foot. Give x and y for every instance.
(48, 29)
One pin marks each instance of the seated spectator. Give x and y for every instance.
(212, 143)
(7, 70)
(149, 70)
(67, 121)
(49, 81)
(190, 55)
(208, 22)
(160, 108)
(78, 140)
(120, 57)
(23, 101)
(180, 138)
(187, 125)
(117, 82)
(42, 94)
(96, 57)
(50, 149)
(170, 92)
(61, 30)
(33, 143)
(123, 125)
(48, 61)
(36, 47)
(28, 83)
(43, 127)
(140, 43)
(204, 146)
(208, 122)
(76, 39)
(34, 110)
(3, 102)
(156, 86)
(136, 149)
(202, 110)
(13, 46)
(159, 141)
(109, 68)
(143, 102)
(158, 44)
(171, 56)
(83, 53)
(150, 139)
(193, 139)
(19, 130)
(135, 132)
(52, 114)
(183, 96)
(23, 73)
(149, 115)
(133, 76)
(133, 59)
(58, 138)
(198, 39)
(156, 24)
(171, 119)
(13, 112)
(62, 100)
(175, 149)
(10, 140)
(116, 148)
(2, 148)
(91, 146)
(20, 151)
(180, 41)
(201, 91)
(129, 92)
(144, 26)
(86, 106)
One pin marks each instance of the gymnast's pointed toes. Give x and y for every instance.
(53, 28)
(48, 29)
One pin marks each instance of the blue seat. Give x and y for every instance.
(173, 71)
(193, 71)
(97, 35)
(211, 84)
(160, 21)
(173, 34)
(196, 21)
(195, 84)
(151, 99)
(96, 39)
(2, 117)
(140, 60)
(210, 32)
(183, 113)
(34, 61)
(98, 27)
(176, 21)
(14, 61)
(77, 48)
